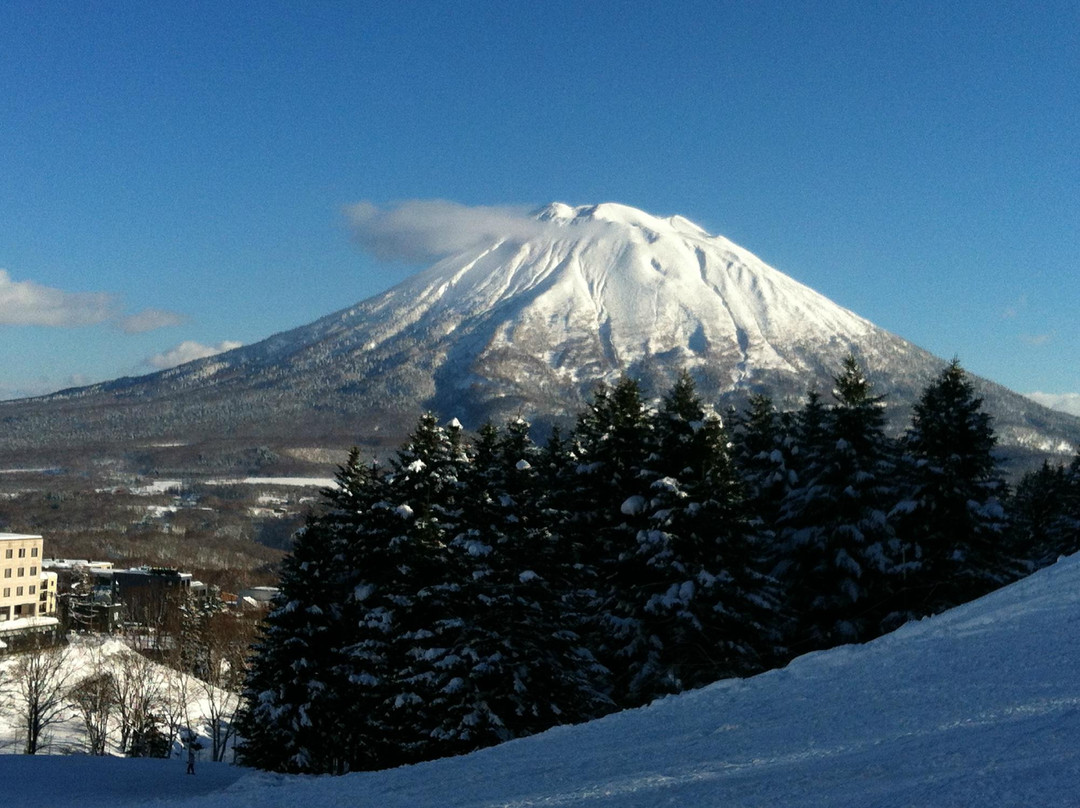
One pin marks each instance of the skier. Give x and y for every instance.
(191, 757)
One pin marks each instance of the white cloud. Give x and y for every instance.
(149, 320)
(1063, 402)
(25, 303)
(28, 303)
(1036, 339)
(188, 351)
(421, 230)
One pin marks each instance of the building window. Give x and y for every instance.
(22, 572)
(7, 553)
(22, 552)
(18, 591)
(7, 591)
(33, 571)
(33, 591)
(7, 572)
(33, 552)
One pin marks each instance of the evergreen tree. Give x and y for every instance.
(703, 602)
(428, 716)
(1044, 514)
(806, 437)
(379, 594)
(294, 696)
(531, 668)
(612, 444)
(951, 519)
(467, 596)
(1039, 526)
(761, 447)
(841, 546)
(1069, 525)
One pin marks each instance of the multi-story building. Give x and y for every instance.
(47, 593)
(152, 596)
(20, 577)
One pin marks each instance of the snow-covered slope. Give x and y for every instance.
(88, 656)
(532, 321)
(976, 707)
(601, 289)
(525, 323)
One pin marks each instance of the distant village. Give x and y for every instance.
(48, 596)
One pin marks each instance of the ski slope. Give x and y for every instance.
(976, 707)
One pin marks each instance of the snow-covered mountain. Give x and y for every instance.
(974, 707)
(523, 323)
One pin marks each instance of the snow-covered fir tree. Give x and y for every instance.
(431, 714)
(841, 548)
(613, 443)
(761, 442)
(704, 603)
(380, 591)
(532, 670)
(951, 518)
(296, 698)
(468, 595)
(1044, 514)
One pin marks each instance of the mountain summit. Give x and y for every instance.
(525, 322)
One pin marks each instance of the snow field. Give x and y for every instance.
(976, 707)
(67, 736)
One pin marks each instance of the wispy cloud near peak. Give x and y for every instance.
(421, 230)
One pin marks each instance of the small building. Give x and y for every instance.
(85, 593)
(22, 631)
(257, 597)
(20, 576)
(70, 571)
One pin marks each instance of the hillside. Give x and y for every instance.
(978, 706)
(522, 323)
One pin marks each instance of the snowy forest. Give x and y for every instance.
(467, 593)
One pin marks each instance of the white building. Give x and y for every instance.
(21, 577)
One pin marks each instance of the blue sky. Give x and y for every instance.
(174, 176)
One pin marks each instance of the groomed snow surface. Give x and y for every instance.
(976, 707)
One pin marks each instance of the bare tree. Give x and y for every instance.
(5, 690)
(227, 637)
(41, 675)
(94, 699)
(139, 695)
(179, 693)
(221, 708)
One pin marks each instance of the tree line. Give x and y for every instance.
(467, 593)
